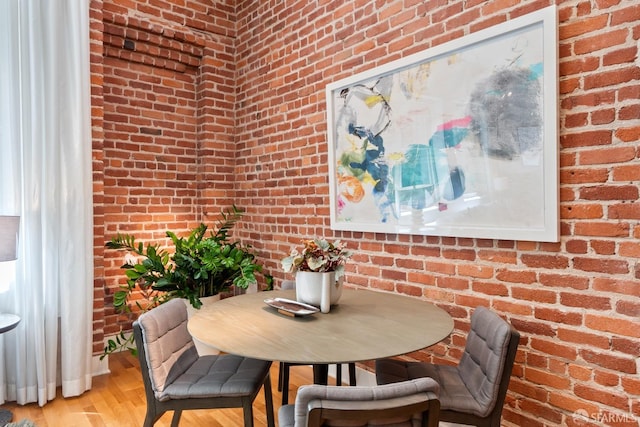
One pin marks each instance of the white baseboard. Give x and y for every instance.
(363, 377)
(100, 367)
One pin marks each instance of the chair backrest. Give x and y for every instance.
(409, 403)
(487, 361)
(166, 349)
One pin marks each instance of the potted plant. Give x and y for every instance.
(203, 264)
(319, 270)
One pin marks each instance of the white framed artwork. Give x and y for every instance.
(459, 140)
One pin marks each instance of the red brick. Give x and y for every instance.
(475, 270)
(488, 288)
(533, 327)
(607, 156)
(555, 349)
(571, 404)
(547, 379)
(630, 249)
(453, 283)
(586, 139)
(579, 372)
(631, 385)
(576, 120)
(628, 308)
(607, 379)
(629, 112)
(583, 26)
(620, 286)
(582, 176)
(467, 255)
(626, 172)
(585, 300)
(558, 316)
(600, 41)
(629, 134)
(545, 261)
(626, 345)
(623, 327)
(610, 361)
(542, 411)
(602, 229)
(578, 246)
(504, 257)
(605, 396)
(533, 294)
(627, 14)
(627, 55)
(470, 301)
(601, 265)
(512, 307)
(516, 276)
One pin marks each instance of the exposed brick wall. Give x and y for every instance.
(577, 302)
(164, 74)
(97, 129)
(244, 121)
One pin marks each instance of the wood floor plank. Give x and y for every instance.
(117, 400)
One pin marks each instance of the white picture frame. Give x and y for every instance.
(458, 140)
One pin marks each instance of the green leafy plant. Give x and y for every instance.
(318, 255)
(202, 264)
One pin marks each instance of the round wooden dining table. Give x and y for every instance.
(363, 325)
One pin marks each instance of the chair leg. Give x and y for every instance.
(281, 369)
(352, 374)
(247, 409)
(285, 384)
(176, 418)
(151, 417)
(268, 402)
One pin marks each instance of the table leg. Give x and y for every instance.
(321, 374)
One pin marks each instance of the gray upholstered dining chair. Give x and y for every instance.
(473, 392)
(284, 367)
(176, 378)
(410, 403)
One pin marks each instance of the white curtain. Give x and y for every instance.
(45, 177)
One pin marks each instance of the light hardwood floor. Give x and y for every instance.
(117, 400)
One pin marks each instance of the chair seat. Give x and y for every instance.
(455, 395)
(218, 375)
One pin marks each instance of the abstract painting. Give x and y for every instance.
(458, 140)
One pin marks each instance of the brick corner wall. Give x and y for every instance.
(220, 104)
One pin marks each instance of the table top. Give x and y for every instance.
(8, 322)
(364, 325)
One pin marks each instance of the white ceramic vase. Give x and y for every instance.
(318, 289)
(202, 348)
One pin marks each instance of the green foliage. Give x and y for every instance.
(121, 342)
(202, 264)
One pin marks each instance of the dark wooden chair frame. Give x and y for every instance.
(429, 410)
(156, 408)
(494, 417)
